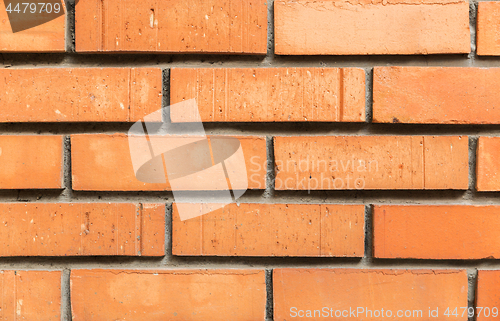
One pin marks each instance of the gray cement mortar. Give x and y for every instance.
(269, 195)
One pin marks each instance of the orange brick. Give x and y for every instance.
(75, 229)
(299, 292)
(211, 26)
(436, 95)
(487, 164)
(269, 94)
(344, 27)
(103, 163)
(488, 28)
(488, 295)
(31, 162)
(46, 37)
(168, 295)
(79, 94)
(459, 232)
(371, 162)
(152, 237)
(30, 295)
(271, 230)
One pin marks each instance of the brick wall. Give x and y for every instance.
(371, 135)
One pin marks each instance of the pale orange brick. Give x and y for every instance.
(488, 295)
(102, 162)
(269, 94)
(79, 94)
(155, 295)
(30, 295)
(371, 27)
(371, 162)
(271, 230)
(45, 37)
(77, 229)
(436, 95)
(31, 162)
(298, 293)
(438, 232)
(487, 164)
(209, 26)
(488, 28)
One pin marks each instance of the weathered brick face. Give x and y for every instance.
(359, 141)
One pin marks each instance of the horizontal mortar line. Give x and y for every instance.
(183, 59)
(180, 60)
(66, 199)
(426, 197)
(306, 128)
(304, 132)
(240, 263)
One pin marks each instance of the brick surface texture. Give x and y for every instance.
(250, 160)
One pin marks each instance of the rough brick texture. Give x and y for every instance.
(436, 232)
(168, 295)
(76, 229)
(79, 94)
(271, 230)
(488, 28)
(269, 94)
(31, 162)
(488, 298)
(103, 163)
(30, 295)
(487, 164)
(373, 290)
(343, 27)
(214, 26)
(371, 162)
(345, 131)
(439, 95)
(46, 37)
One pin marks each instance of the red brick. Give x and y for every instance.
(76, 229)
(436, 95)
(102, 162)
(371, 162)
(487, 164)
(271, 230)
(30, 295)
(488, 295)
(46, 37)
(79, 94)
(168, 295)
(459, 232)
(269, 94)
(488, 28)
(344, 289)
(31, 162)
(344, 27)
(212, 26)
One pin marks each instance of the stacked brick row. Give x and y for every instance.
(386, 235)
